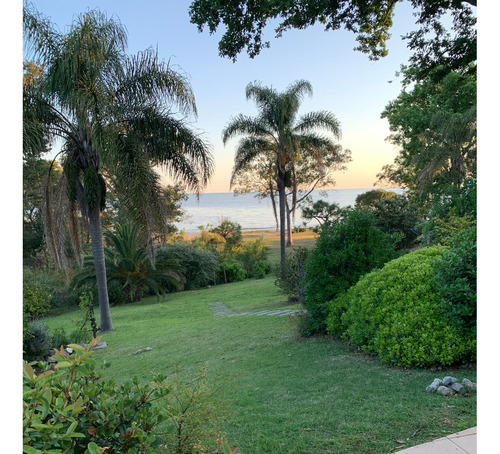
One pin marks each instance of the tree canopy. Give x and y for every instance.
(245, 20)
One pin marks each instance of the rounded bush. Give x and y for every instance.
(261, 268)
(35, 300)
(231, 271)
(396, 313)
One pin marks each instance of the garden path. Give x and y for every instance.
(221, 310)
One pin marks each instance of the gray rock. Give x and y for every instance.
(148, 349)
(69, 350)
(138, 352)
(447, 381)
(444, 390)
(434, 385)
(458, 388)
(469, 384)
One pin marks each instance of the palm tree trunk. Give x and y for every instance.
(282, 201)
(289, 241)
(100, 268)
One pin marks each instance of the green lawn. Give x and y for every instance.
(288, 395)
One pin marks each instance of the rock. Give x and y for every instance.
(458, 388)
(444, 390)
(69, 350)
(447, 381)
(148, 349)
(138, 352)
(100, 345)
(469, 384)
(434, 385)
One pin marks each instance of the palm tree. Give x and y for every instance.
(277, 123)
(127, 263)
(113, 113)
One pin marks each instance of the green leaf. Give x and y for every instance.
(63, 364)
(93, 448)
(30, 450)
(28, 372)
(76, 347)
(71, 428)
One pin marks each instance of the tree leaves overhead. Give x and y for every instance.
(244, 21)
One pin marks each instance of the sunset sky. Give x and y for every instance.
(345, 82)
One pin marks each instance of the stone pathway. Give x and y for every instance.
(221, 310)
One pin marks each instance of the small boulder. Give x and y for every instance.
(447, 381)
(434, 385)
(148, 349)
(458, 388)
(444, 390)
(469, 384)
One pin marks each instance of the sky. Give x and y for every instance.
(344, 82)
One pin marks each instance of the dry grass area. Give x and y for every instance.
(271, 239)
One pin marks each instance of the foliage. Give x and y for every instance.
(231, 232)
(195, 414)
(114, 114)
(456, 278)
(36, 339)
(434, 123)
(250, 253)
(230, 270)
(73, 409)
(344, 252)
(197, 266)
(323, 212)
(35, 300)
(454, 210)
(396, 313)
(245, 21)
(367, 199)
(127, 263)
(279, 134)
(399, 215)
(290, 281)
(260, 268)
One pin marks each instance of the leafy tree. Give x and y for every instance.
(245, 20)
(231, 232)
(314, 170)
(368, 198)
(112, 111)
(433, 121)
(277, 124)
(323, 212)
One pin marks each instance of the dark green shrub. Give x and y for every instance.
(397, 215)
(343, 252)
(289, 281)
(36, 340)
(63, 298)
(230, 271)
(231, 232)
(456, 277)
(250, 253)
(261, 268)
(396, 313)
(198, 266)
(35, 300)
(454, 210)
(116, 294)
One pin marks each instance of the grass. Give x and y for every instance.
(288, 395)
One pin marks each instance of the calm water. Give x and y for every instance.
(249, 211)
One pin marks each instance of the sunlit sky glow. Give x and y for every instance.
(345, 82)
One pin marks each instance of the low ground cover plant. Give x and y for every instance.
(397, 313)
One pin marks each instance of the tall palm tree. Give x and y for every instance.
(113, 113)
(278, 124)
